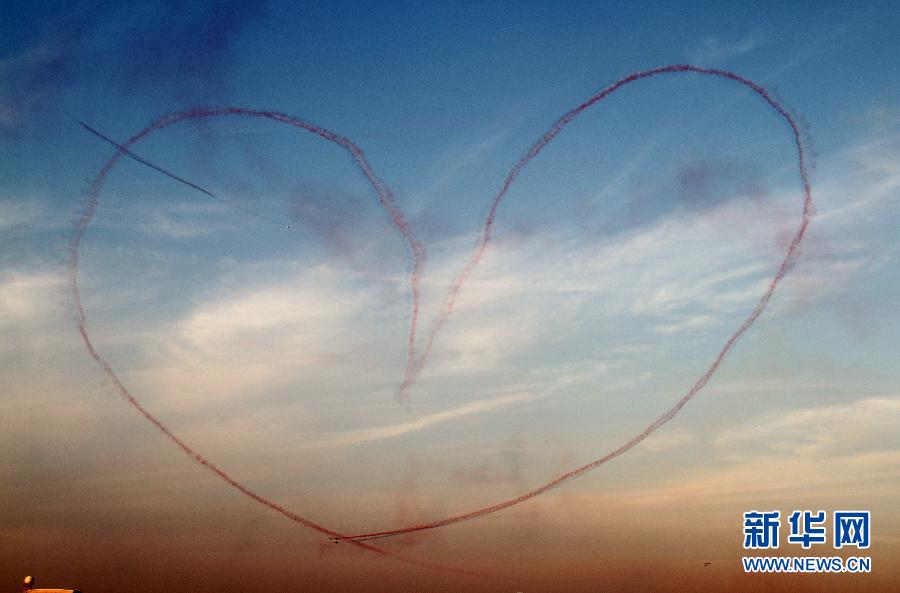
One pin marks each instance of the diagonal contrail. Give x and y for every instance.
(131, 154)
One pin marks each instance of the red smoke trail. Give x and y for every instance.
(550, 134)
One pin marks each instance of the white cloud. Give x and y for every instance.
(872, 181)
(867, 424)
(687, 322)
(368, 435)
(691, 272)
(21, 212)
(456, 162)
(670, 438)
(824, 452)
(767, 479)
(33, 316)
(713, 50)
(177, 223)
(309, 304)
(301, 328)
(29, 297)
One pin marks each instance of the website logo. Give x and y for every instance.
(807, 529)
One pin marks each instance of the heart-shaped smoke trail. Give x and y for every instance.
(415, 364)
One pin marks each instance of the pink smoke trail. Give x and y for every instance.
(533, 151)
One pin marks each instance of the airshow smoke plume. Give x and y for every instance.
(416, 362)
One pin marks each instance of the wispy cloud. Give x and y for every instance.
(27, 297)
(457, 161)
(669, 439)
(856, 441)
(261, 331)
(835, 429)
(713, 50)
(651, 281)
(182, 220)
(875, 167)
(31, 213)
(32, 316)
(753, 481)
(368, 435)
(30, 78)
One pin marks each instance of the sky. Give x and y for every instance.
(265, 321)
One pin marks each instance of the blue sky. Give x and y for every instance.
(623, 258)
